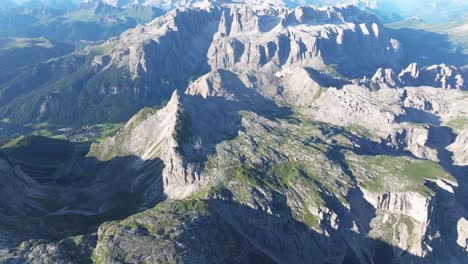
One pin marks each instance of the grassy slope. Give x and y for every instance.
(400, 174)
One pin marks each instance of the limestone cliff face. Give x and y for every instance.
(402, 218)
(294, 86)
(306, 36)
(414, 140)
(219, 83)
(459, 148)
(385, 78)
(408, 219)
(133, 138)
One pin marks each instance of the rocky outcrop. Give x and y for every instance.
(459, 148)
(144, 65)
(271, 38)
(401, 218)
(171, 4)
(414, 140)
(269, 150)
(413, 205)
(441, 76)
(219, 83)
(357, 105)
(462, 230)
(385, 78)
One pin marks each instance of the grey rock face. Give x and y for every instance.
(460, 149)
(272, 38)
(443, 76)
(152, 51)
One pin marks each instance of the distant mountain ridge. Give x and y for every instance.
(144, 65)
(390, 10)
(387, 10)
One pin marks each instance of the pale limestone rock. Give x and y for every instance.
(462, 230)
(404, 215)
(446, 185)
(459, 148)
(281, 37)
(300, 88)
(416, 142)
(327, 216)
(440, 76)
(357, 105)
(384, 78)
(413, 205)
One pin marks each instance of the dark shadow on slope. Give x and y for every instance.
(325, 80)
(427, 48)
(361, 211)
(360, 208)
(278, 237)
(439, 139)
(444, 222)
(414, 115)
(220, 230)
(83, 194)
(363, 145)
(9, 131)
(42, 158)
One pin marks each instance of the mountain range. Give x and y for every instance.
(216, 131)
(390, 10)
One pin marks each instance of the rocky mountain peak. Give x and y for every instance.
(386, 77)
(443, 76)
